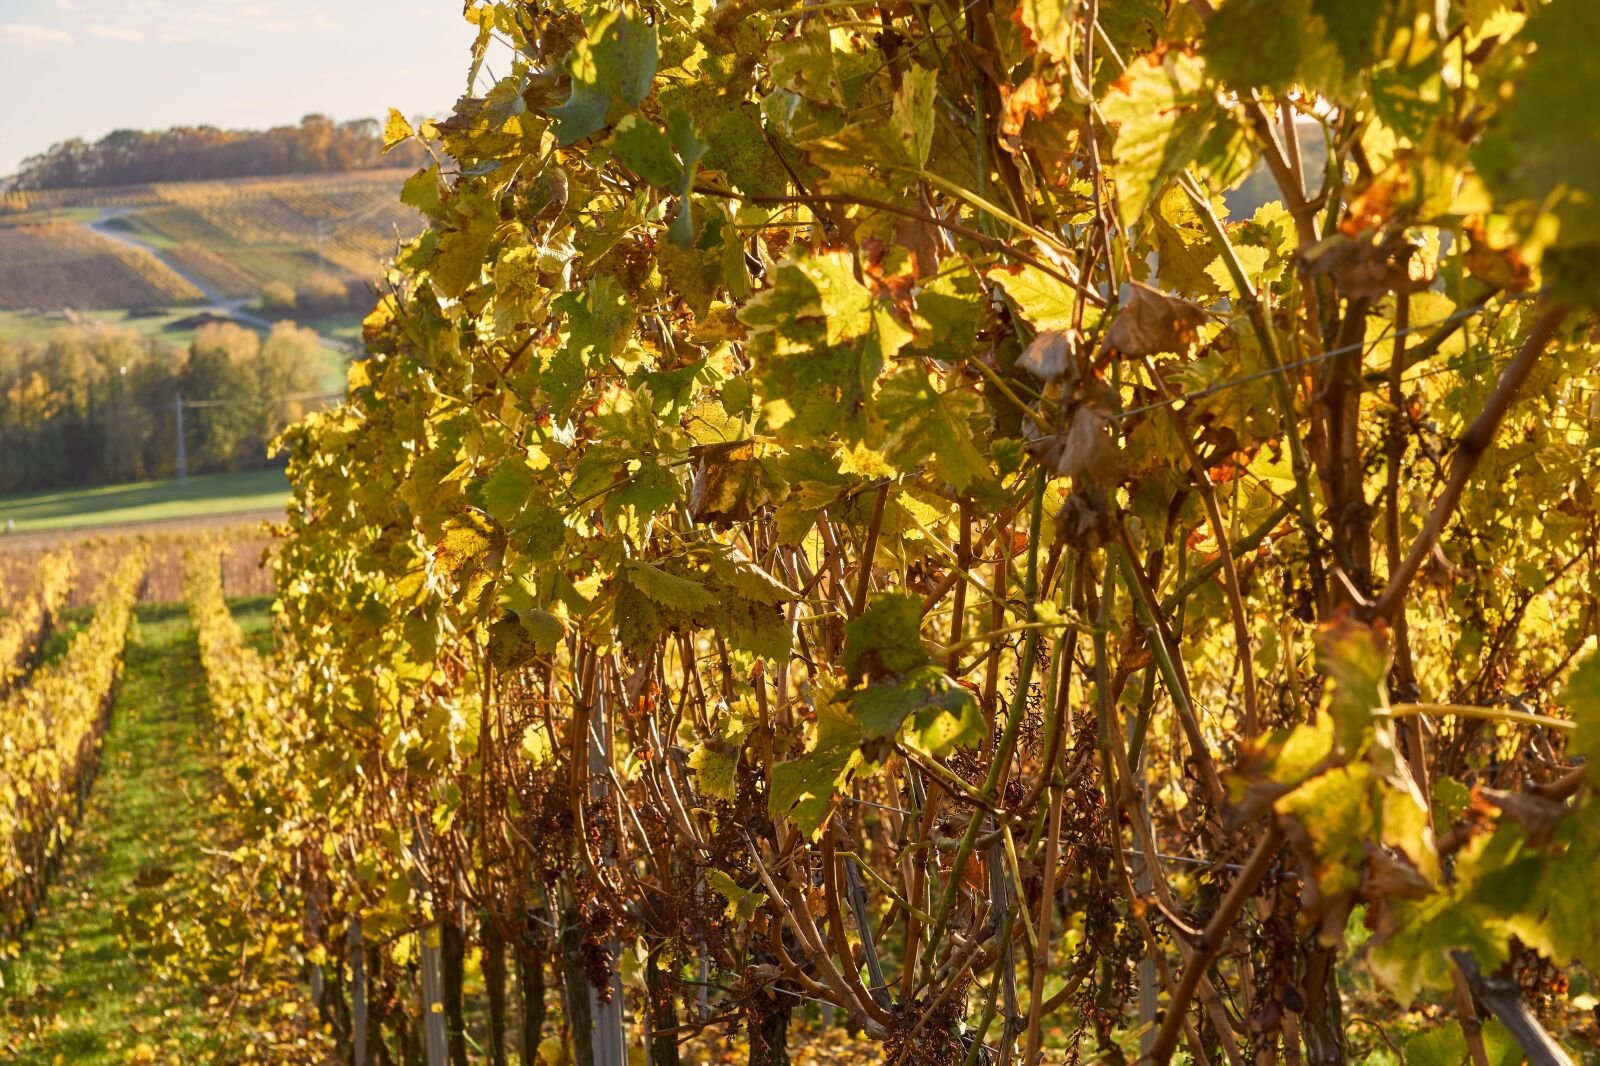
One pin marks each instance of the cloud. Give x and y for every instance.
(33, 36)
(115, 33)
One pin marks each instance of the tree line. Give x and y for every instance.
(318, 145)
(97, 405)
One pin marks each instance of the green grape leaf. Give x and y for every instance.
(421, 191)
(747, 580)
(742, 902)
(543, 628)
(1164, 113)
(825, 287)
(715, 772)
(937, 714)
(1415, 956)
(912, 123)
(611, 68)
(1271, 44)
(820, 340)
(1560, 916)
(951, 309)
(539, 532)
(640, 144)
(458, 259)
(885, 639)
(647, 491)
(1183, 248)
(1355, 657)
(1444, 1045)
(1582, 699)
(510, 645)
(1530, 151)
(803, 789)
(1043, 301)
(667, 160)
(670, 591)
(928, 424)
(599, 320)
(805, 66)
(469, 542)
(504, 493)
(1049, 25)
(690, 149)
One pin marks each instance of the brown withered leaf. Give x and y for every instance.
(1501, 267)
(1085, 520)
(1536, 814)
(1034, 98)
(924, 241)
(1364, 270)
(1389, 874)
(1082, 446)
(1053, 356)
(1373, 207)
(1151, 322)
(729, 484)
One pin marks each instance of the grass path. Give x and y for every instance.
(79, 994)
(204, 495)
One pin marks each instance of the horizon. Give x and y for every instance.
(225, 69)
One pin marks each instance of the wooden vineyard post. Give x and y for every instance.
(609, 1039)
(435, 1038)
(356, 951)
(436, 1041)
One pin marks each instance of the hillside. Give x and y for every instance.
(172, 243)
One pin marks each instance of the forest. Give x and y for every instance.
(93, 405)
(317, 145)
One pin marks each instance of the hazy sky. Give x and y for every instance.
(81, 68)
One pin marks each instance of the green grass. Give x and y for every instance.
(37, 327)
(145, 501)
(142, 230)
(78, 993)
(340, 325)
(51, 215)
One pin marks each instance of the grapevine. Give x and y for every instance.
(839, 513)
(28, 619)
(53, 728)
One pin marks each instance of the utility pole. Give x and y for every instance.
(183, 455)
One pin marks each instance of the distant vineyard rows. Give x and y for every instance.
(233, 236)
(63, 265)
(54, 726)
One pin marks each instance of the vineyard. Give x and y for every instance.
(61, 264)
(54, 727)
(28, 611)
(844, 551)
(237, 235)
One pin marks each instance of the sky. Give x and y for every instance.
(82, 68)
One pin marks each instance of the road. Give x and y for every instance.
(215, 302)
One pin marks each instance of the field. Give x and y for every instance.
(61, 264)
(233, 237)
(206, 496)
